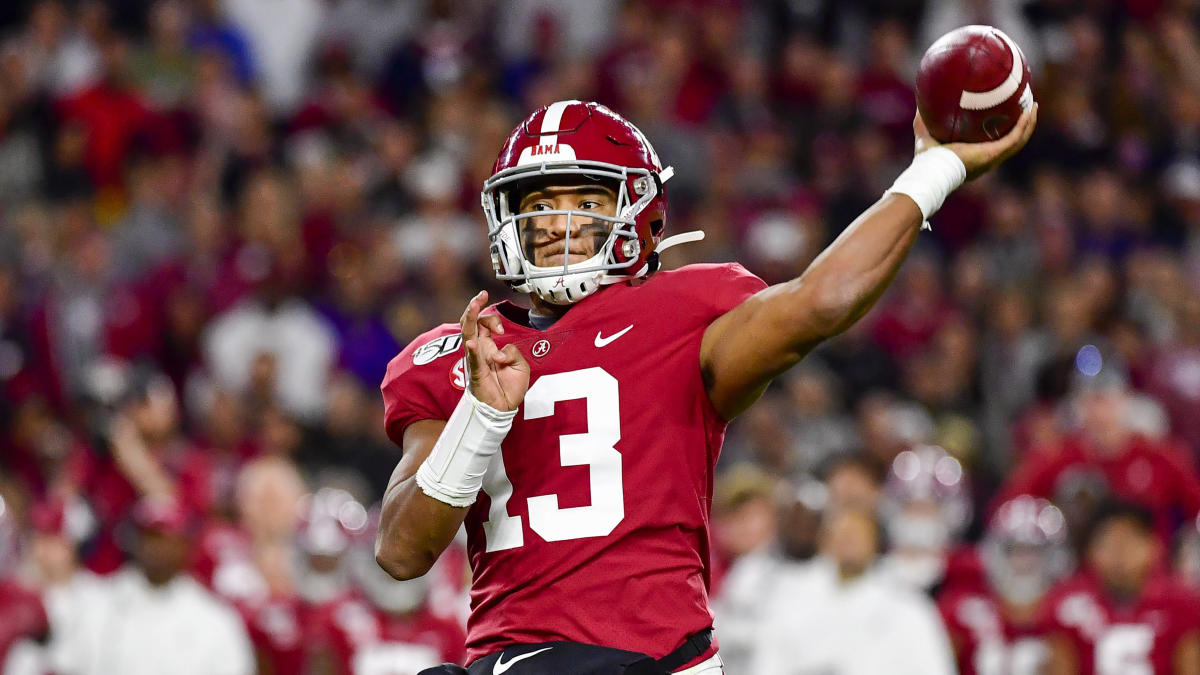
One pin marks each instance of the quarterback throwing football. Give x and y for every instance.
(577, 439)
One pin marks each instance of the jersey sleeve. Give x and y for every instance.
(417, 383)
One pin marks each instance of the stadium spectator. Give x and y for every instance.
(829, 601)
(282, 37)
(70, 591)
(23, 613)
(148, 604)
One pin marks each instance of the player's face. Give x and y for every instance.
(1123, 555)
(545, 237)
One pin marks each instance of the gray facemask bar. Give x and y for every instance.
(622, 229)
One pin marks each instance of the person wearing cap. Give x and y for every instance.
(154, 618)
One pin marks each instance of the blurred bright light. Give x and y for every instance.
(948, 471)
(1089, 361)
(907, 465)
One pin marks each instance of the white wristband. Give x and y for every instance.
(931, 177)
(453, 472)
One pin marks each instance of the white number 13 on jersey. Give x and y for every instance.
(595, 449)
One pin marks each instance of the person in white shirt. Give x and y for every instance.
(838, 614)
(282, 35)
(153, 618)
(69, 591)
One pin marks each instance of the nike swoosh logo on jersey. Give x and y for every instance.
(502, 667)
(605, 341)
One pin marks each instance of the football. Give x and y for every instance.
(972, 85)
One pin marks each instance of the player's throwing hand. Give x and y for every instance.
(979, 158)
(499, 376)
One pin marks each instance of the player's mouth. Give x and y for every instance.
(552, 254)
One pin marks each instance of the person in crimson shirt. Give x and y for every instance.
(993, 617)
(141, 452)
(251, 563)
(1107, 449)
(1122, 614)
(581, 435)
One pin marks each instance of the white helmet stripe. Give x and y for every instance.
(982, 100)
(552, 120)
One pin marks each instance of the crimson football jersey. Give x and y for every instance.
(1155, 474)
(1113, 639)
(278, 630)
(593, 523)
(986, 641)
(363, 640)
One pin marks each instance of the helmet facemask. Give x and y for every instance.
(614, 259)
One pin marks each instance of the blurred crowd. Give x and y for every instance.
(220, 219)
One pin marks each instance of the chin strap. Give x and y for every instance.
(677, 239)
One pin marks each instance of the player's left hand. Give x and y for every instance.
(499, 376)
(979, 158)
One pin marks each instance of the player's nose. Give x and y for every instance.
(560, 223)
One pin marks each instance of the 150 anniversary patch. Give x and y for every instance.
(436, 348)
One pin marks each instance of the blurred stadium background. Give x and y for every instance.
(220, 219)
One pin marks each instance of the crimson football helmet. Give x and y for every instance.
(576, 138)
(925, 506)
(1025, 549)
(331, 519)
(927, 474)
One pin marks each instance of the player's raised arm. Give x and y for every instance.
(444, 462)
(744, 349)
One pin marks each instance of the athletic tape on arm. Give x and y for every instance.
(931, 177)
(453, 472)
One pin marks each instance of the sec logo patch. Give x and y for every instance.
(458, 374)
(436, 348)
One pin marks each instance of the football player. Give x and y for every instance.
(926, 506)
(994, 624)
(1122, 615)
(383, 626)
(577, 438)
